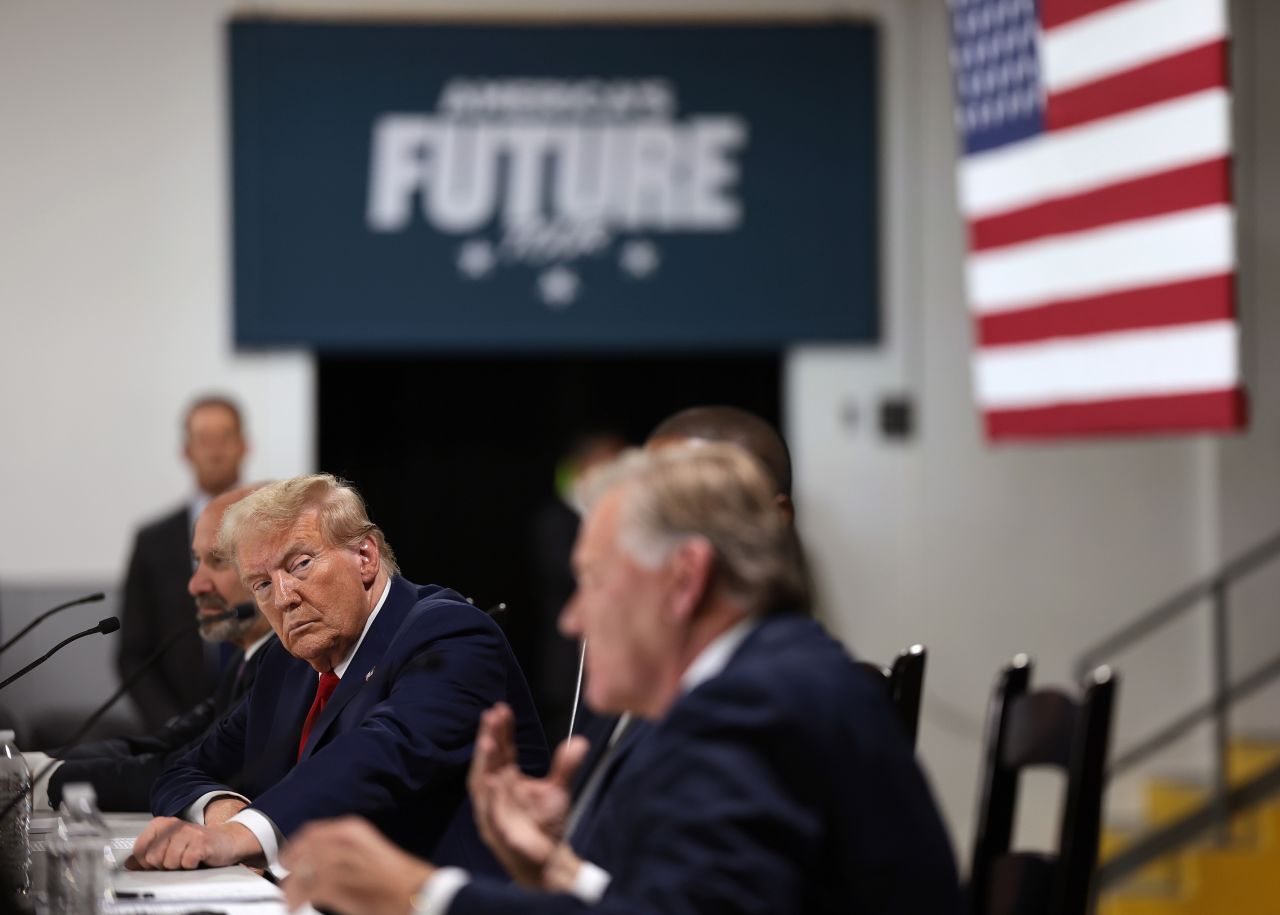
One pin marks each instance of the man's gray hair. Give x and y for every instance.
(276, 507)
(717, 492)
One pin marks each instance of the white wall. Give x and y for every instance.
(115, 283)
(1248, 473)
(115, 300)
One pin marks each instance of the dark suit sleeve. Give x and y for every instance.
(417, 741)
(141, 621)
(710, 828)
(123, 770)
(122, 783)
(215, 763)
(176, 733)
(751, 800)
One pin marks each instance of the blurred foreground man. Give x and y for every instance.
(777, 779)
(613, 738)
(368, 704)
(155, 602)
(123, 770)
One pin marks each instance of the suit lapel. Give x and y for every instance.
(228, 687)
(400, 600)
(251, 668)
(275, 749)
(614, 762)
(597, 743)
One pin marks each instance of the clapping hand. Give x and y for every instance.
(520, 818)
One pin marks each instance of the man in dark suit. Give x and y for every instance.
(612, 739)
(123, 770)
(776, 780)
(368, 704)
(155, 601)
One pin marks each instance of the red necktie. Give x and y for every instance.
(328, 683)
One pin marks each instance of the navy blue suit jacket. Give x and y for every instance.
(124, 769)
(394, 741)
(782, 785)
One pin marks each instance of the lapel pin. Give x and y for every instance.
(369, 674)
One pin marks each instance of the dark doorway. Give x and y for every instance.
(457, 456)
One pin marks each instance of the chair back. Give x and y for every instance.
(905, 683)
(1044, 728)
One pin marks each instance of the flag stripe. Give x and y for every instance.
(1126, 36)
(1097, 189)
(1171, 360)
(1054, 13)
(1156, 138)
(1208, 411)
(1184, 245)
(1207, 299)
(1182, 74)
(1186, 188)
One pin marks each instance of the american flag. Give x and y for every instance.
(1096, 185)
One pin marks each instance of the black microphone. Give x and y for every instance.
(110, 624)
(242, 611)
(87, 599)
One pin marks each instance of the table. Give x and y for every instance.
(230, 890)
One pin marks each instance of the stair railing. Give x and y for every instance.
(1216, 589)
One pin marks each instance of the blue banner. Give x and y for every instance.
(550, 187)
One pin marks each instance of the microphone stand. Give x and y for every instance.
(128, 682)
(87, 599)
(110, 624)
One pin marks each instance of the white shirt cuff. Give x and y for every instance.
(40, 791)
(437, 893)
(590, 882)
(263, 830)
(194, 813)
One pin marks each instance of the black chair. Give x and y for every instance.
(1032, 729)
(905, 681)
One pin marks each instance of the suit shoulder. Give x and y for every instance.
(794, 657)
(791, 677)
(444, 609)
(164, 526)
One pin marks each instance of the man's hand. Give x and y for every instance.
(172, 844)
(520, 818)
(348, 866)
(221, 809)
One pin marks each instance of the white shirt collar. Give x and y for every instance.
(262, 640)
(346, 662)
(712, 659)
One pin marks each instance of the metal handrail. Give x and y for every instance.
(1175, 835)
(1167, 611)
(1223, 799)
(1247, 685)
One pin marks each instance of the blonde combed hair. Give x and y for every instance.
(341, 514)
(717, 492)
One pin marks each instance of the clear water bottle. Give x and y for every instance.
(78, 855)
(15, 829)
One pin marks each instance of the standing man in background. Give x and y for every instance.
(155, 600)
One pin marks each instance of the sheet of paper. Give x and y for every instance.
(150, 907)
(215, 884)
